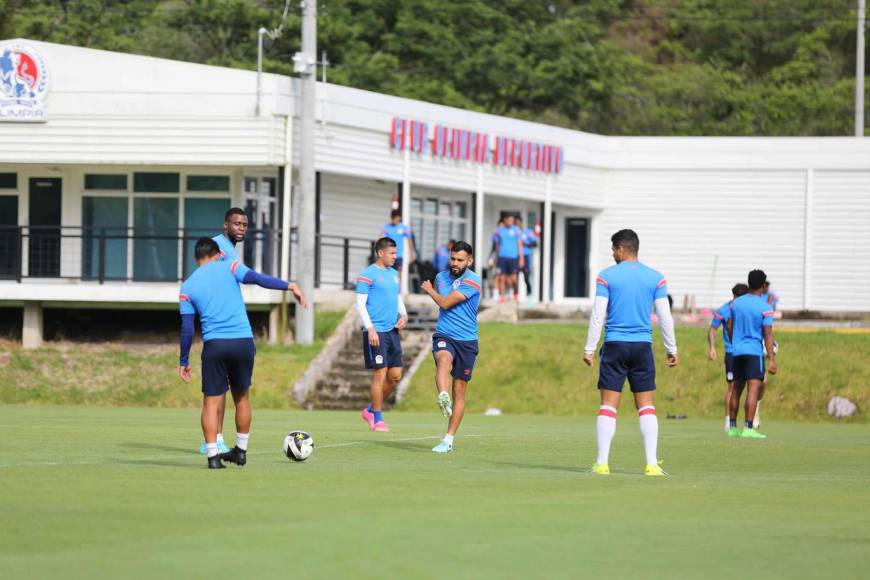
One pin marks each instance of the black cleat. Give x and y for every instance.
(235, 455)
(215, 463)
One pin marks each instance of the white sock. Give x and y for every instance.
(756, 421)
(242, 441)
(220, 438)
(448, 439)
(211, 449)
(649, 430)
(605, 429)
(727, 423)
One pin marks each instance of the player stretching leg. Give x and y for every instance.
(454, 344)
(383, 315)
(625, 295)
(720, 318)
(751, 329)
(228, 350)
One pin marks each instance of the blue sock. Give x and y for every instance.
(733, 423)
(369, 408)
(748, 424)
(379, 416)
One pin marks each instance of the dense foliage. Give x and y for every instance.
(621, 67)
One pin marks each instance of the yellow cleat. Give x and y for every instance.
(654, 471)
(602, 469)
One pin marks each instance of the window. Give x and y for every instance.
(110, 182)
(208, 183)
(436, 221)
(156, 182)
(202, 218)
(104, 221)
(9, 250)
(8, 181)
(155, 249)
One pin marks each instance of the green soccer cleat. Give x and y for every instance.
(600, 469)
(734, 432)
(443, 447)
(445, 404)
(752, 434)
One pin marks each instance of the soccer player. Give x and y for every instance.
(228, 351)
(442, 256)
(510, 257)
(399, 232)
(720, 319)
(454, 343)
(379, 304)
(624, 297)
(751, 330)
(530, 240)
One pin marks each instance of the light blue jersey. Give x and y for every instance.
(460, 321)
(750, 314)
(507, 241)
(442, 258)
(213, 292)
(227, 248)
(382, 304)
(631, 289)
(398, 233)
(721, 316)
(529, 238)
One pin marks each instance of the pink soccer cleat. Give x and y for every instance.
(368, 417)
(381, 426)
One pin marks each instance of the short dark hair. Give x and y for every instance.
(739, 289)
(205, 248)
(234, 211)
(460, 246)
(396, 213)
(384, 243)
(756, 279)
(627, 239)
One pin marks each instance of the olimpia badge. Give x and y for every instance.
(23, 83)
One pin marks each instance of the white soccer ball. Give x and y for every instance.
(298, 445)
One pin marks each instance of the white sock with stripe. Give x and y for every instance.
(649, 430)
(605, 429)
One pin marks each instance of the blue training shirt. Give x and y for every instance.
(227, 248)
(460, 321)
(213, 292)
(631, 289)
(382, 304)
(721, 316)
(397, 233)
(507, 241)
(442, 258)
(529, 238)
(750, 314)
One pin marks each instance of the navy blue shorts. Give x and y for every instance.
(388, 355)
(464, 353)
(627, 360)
(748, 367)
(508, 266)
(227, 363)
(729, 367)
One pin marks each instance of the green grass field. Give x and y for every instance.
(121, 493)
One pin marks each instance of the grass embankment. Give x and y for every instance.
(142, 375)
(537, 369)
(122, 493)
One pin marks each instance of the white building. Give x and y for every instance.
(131, 154)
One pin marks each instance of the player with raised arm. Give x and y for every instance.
(721, 316)
(383, 314)
(751, 331)
(228, 351)
(454, 344)
(624, 297)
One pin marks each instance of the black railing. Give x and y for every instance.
(158, 254)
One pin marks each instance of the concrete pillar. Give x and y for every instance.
(274, 323)
(31, 331)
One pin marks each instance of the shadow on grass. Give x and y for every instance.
(167, 448)
(538, 466)
(162, 463)
(413, 446)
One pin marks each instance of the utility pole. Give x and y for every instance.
(859, 70)
(305, 64)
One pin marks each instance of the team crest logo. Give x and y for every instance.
(441, 344)
(467, 372)
(23, 83)
(456, 283)
(379, 359)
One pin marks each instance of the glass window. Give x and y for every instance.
(444, 209)
(104, 218)
(208, 183)
(430, 207)
(156, 183)
(8, 181)
(112, 182)
(270, 186)
(460, 209)
(8, 236)
(459, 232)
(155, 250)
(202, 217)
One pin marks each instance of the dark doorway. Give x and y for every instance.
(44, 240)
(9, 251)
(576, 258)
